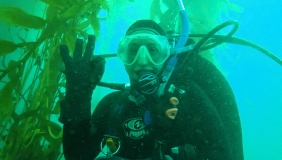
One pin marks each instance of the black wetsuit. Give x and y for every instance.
(207, 119)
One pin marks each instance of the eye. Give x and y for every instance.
(133, 49)
(154, 50)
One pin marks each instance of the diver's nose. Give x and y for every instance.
(143, 56)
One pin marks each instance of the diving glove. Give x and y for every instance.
(82, 72)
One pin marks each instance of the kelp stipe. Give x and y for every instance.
(32, 85)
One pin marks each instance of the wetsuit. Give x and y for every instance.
(207, 119)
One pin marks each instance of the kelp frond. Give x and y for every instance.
(31, 134)
(14, 16)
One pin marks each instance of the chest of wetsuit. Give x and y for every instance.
(207, 119)
(197, 123)
(126, 122)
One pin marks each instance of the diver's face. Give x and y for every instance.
(142, 64)
(143, 60)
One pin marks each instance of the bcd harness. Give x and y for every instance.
(157, 113)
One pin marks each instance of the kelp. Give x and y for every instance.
(203, 16)
(32, 85)
(14, 16)
(6, 96)
(55, 3)
(94, 22)
(7, 47)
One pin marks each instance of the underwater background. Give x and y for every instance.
(29, 110)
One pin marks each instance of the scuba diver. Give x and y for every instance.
(178, 105)
(195, 117)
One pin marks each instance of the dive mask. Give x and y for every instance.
(155, 48)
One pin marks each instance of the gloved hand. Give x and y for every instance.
(83, 72)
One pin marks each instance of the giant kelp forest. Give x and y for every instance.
(32, 86)
(30, 134)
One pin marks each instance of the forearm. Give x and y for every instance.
(75, 108)
(79, 136)
(79, 142)
(82, 74)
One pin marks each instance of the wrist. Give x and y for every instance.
(82, 91)
(73, 95)
(74, 113)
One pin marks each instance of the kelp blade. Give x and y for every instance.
(95, 24)
(17, 17)
(7, 47)
(6, 96)
(56, 3)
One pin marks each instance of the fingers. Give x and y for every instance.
(78, 49)
(90, 47)
(65, 53)
(98, 65)
(97, 60)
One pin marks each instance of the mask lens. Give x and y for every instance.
(158, 49)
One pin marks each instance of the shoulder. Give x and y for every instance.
(104, 108)
(113, 97)
(109, 100)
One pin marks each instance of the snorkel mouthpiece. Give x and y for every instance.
(147, 82)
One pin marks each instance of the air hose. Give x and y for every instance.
(218, 39)
(169, 67)
(204, 44)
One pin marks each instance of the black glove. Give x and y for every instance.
(83, 72)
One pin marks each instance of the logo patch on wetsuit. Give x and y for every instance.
(135, 128)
